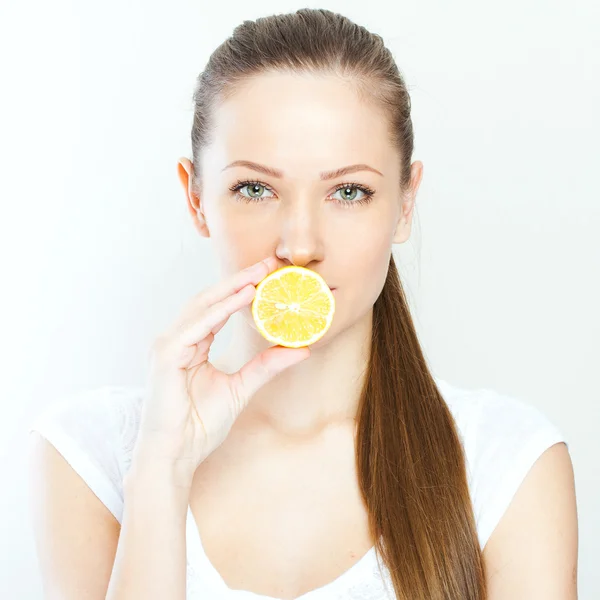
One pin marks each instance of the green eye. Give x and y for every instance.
(256, 190)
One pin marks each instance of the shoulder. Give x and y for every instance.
(532, 552)
(522, 487)
(503, 436)
(95, 431)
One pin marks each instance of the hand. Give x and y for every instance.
(190, 406)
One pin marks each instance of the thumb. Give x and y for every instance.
(265, 366)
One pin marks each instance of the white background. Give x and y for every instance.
(99, 253)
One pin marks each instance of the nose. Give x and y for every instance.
(301, 235)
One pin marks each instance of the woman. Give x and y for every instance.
(343, 471)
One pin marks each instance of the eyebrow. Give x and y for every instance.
(324, 175)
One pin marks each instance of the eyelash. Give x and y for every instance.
(367, 191)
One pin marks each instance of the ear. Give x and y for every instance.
(403, 227)
(185, 170)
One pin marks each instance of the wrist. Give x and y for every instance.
(153, 494)
(148, 471)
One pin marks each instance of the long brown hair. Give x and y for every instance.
(409, 457)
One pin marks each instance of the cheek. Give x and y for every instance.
(364, 255)
(240, 223)
(237, 245)
(362, 272)
(231, 230)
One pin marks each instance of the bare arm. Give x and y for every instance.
(75, 534)
(83, 552)
(151, 556)
(532, 554)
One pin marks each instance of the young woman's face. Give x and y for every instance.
(304, 126)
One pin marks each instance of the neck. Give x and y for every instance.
(304, 399)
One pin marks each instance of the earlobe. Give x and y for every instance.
(198, 216)
(402, 231)
(200, 224)
(403, 226)
(185, 170)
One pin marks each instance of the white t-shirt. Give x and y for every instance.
(95, 431)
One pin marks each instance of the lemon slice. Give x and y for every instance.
(293, 307)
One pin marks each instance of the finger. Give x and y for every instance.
(262, 368)
(195, 328)
(220, 326)
(231, 285)
(192, 356)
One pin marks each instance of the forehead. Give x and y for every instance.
(301, 121)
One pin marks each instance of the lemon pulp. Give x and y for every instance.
(293, 307)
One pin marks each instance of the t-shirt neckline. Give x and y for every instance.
(201, 563)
